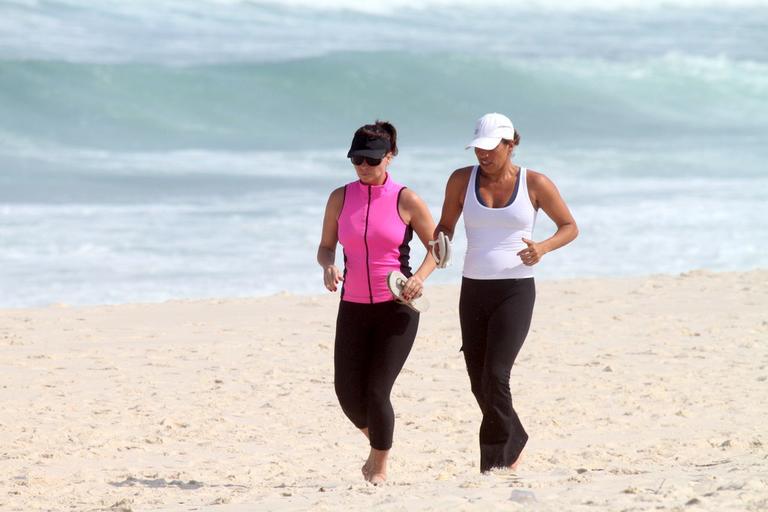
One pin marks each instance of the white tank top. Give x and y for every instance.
(495, 235)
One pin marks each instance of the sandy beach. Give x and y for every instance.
(638, 393)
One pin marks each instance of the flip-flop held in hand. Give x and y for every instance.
(396, 281)
(441, 250)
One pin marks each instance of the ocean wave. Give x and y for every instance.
(217, 31)
(391, 6)
(313, 103)
(144, 7)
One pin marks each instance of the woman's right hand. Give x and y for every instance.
(332, 276)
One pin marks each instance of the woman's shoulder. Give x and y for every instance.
(461, 176)
(338, 192)
(336, 198)
(408, 196)
(463, 172)
(537, 179)
(540, 187)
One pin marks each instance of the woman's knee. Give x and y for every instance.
(379, 399)
(495, 381)
(353, 405)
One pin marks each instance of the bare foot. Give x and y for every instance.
(378, 479)
(366, 469)
(516, 464)
(377, 471)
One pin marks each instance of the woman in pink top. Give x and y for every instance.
(374, 219)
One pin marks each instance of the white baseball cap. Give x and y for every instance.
(490, 129)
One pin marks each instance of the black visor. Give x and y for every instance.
(365, 145)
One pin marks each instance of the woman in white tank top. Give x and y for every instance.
(499, 200)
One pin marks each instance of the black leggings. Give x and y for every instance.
(495, 316)
(372, 344)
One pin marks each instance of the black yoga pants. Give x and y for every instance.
(372, 344)
(495, 317)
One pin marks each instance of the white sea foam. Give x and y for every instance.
(638, 214)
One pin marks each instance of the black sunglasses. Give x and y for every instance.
(358, 160)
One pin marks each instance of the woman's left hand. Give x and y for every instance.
(532, 254)
(412, 288)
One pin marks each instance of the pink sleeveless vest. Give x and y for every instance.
(375, 240)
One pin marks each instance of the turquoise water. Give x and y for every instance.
(186, 149)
